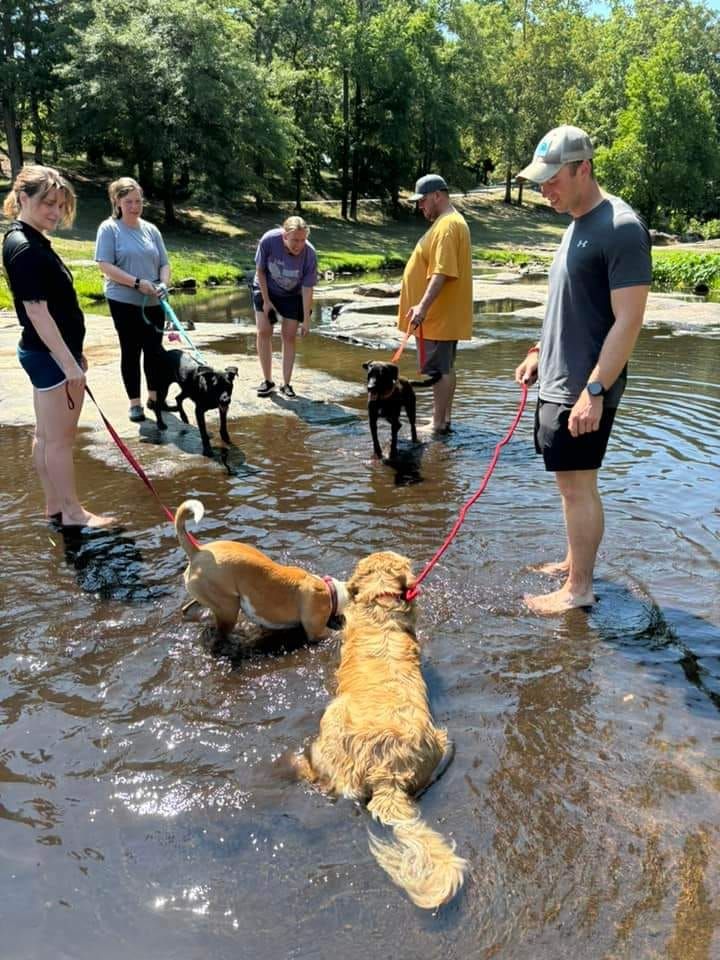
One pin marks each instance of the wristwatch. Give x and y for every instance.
(596, 389)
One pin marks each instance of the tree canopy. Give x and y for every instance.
(356, 98)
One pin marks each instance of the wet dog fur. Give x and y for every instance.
(209, 389)
(388, 395)
(229, 577)
(378, 742)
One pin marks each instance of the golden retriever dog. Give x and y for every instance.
(228, 577)
(377, 740)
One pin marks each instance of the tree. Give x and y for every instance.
(664, 156)
(170, 82)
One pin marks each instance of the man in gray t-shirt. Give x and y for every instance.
(598, 288)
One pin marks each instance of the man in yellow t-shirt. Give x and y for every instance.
(437, 291)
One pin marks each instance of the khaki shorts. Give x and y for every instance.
(439, 356)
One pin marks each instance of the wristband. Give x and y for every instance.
(533, 350)
(136, 285)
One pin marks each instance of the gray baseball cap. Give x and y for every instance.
(558, 147)
(428, 184)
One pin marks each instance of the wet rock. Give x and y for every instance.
(691, 238)
(378, 290)
(187, 283)
(660, 239)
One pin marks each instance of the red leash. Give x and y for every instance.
(420, 346)
(414, 590)
(134, 463)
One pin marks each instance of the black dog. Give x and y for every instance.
(207, 388)
(388, 394)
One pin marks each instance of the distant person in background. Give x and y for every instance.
(598, 288)
(285, 277)
(53, 330)
(436, 292)
(132, 257)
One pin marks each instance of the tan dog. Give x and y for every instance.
(377, 740)
(229, 577)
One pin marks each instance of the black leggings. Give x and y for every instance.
(136, 336)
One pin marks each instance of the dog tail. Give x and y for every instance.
(197, 510)
(418, 859)
(432, 379)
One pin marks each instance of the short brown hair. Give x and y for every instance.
(121, 188)
(36, 180)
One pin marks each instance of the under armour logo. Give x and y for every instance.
(582, 243)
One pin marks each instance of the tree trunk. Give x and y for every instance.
(167, 191)
(13, 136)
(508, 185)
(356, 153)
(298, 186)
(346, 143)
(37, 129)
(520, 192)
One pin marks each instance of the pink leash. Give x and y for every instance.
(133, 462)
(413, 591)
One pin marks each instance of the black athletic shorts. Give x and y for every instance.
(559, 449)
(289, 306)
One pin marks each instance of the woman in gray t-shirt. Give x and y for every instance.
(132, 257)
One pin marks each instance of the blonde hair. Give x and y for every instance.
(119, 189)
(296, 223)
(35, 180)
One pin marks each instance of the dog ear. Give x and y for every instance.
(232, 372)
(395, 370)
(204, 370)
(366, 365)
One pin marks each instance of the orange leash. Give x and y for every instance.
(420, 346)
(413, 591)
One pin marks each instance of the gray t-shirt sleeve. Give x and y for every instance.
(160, 243)
(629, 259)
(105, 242)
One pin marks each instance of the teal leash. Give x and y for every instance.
(172, 317)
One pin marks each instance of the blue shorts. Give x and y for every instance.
(43, 371)
(288, 305)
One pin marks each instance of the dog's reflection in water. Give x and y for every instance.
(378, 743)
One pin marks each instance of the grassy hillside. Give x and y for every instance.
(220, 244)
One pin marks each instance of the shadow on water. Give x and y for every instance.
(631, 619)
(109, 565)
(186, 437)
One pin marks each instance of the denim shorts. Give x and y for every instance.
(43, 371)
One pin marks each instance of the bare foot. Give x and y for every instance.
(559, 601)
(560, 568)
(93, 521)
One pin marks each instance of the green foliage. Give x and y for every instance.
(676, 270)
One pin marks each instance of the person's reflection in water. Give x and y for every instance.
(109, 565)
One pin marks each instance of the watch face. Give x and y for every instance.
(595, 389)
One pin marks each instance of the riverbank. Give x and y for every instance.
(367, 320)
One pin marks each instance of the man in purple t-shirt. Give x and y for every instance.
(285, 275)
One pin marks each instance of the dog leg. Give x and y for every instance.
(200, 417)
(179, 404)
(187, 607)
(372, 420)
(224, 436)
(395, 428)
(411, 411)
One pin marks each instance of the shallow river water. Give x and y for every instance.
(142, 813)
